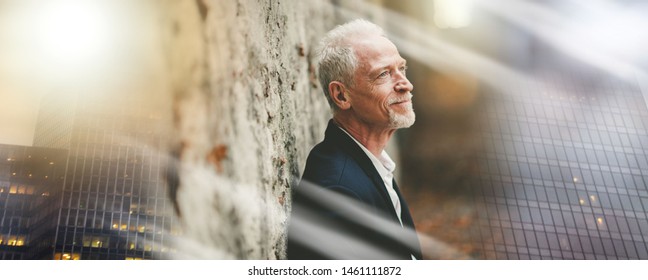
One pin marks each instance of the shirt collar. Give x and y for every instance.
(384, 164)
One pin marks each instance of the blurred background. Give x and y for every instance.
(174, 129)
(531, 127)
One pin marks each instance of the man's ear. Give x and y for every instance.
(340, 95)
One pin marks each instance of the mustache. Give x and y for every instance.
(393, 100)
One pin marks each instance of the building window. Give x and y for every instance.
(13, 189)
(134, 209)
(133, 259)
(67, 256)
(95, 241)
(16, 241)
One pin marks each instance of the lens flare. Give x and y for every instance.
(73, 32)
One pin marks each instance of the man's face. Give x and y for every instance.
(381, 96)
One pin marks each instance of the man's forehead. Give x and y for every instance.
(377, 52)
(369, 43)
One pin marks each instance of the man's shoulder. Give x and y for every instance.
(329, 164)
(324, 155)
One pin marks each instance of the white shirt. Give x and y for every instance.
(385, 167)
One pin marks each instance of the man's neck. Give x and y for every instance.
(373, 138)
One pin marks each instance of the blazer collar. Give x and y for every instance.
(336, 135)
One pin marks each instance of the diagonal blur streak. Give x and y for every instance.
(576, 38)
(419, 43)
(310, 228)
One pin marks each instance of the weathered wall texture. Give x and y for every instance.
(247, 108)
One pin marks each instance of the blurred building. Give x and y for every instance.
(108, 199)
(31, 181)
(564, 174)
(114, 203)
(555, 168)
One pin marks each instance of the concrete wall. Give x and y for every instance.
(247, 109)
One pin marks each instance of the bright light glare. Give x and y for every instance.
(452, 13)
(75, 43)
(72, 33)
(621, 33)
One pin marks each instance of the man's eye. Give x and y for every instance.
(403, 69)
(383, 74)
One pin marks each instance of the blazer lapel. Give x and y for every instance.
(406, 216)
(408, 222)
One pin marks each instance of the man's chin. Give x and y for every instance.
(402, 121)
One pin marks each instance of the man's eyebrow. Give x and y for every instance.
(374, 71)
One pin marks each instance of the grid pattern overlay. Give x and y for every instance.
(565, 171)
(30, 188)
(115, 204)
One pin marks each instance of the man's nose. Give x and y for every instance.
(403, 84)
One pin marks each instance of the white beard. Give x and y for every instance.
(404, 120)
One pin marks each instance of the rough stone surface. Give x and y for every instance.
(247, 109)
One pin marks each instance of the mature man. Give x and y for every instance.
(363, 77)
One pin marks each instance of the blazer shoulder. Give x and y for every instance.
(326, 164)
(329, 166)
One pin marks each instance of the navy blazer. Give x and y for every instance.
(338, 164)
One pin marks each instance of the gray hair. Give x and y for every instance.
(337, 60)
